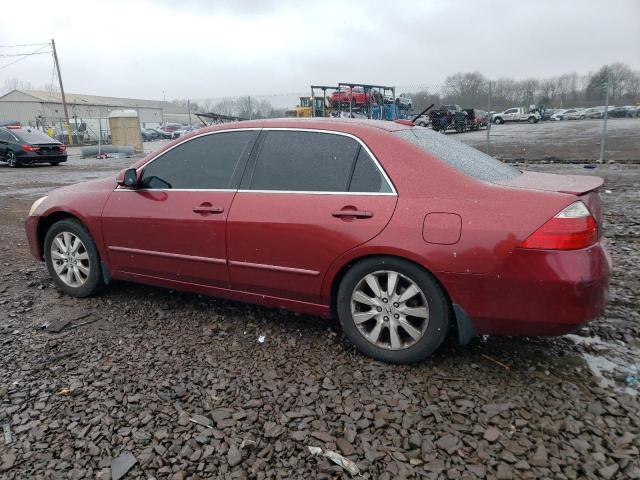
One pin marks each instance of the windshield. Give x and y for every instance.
(462, 157)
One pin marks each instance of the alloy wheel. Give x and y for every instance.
(390, 310)
(11, 159)
(70, 259)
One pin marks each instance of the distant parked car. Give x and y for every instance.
(149, 134)
(622, 112)
(516, 115)
(26, 145)
(161, 133)
(548, 113)
(182, 131)
(559, 114)
(449, 116)
(574, 114)
(423, 121)
(476, 119)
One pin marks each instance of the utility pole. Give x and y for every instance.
(250, 113)
(605, 116)
(189, 108)
(64, 99)
(489, 114)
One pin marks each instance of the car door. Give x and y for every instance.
(5, 139)
(510, 115)
(307, 198)
(173, 226)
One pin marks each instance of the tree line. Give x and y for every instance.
(471, 89)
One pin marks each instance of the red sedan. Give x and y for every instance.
(401, 233)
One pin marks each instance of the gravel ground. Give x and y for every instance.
(181, 385)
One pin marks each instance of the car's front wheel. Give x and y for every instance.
(393, 310)
(72, 258)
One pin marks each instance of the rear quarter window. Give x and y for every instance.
(462, 157)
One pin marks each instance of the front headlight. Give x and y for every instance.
(35, 205)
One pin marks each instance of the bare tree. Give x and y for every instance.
(16, 84)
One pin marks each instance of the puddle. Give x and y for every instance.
(611, 363)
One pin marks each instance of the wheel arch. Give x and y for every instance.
(333, 282)
(458, 319)
(46, 222)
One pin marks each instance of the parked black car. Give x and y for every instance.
(449, 116)
(622, 112)
(149, 134)
(26, 145)
(161, 133)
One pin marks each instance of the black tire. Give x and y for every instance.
(438, 307)
(94, 281)
(532, 120)
(11, 159)
(498, 121)
(54, 164)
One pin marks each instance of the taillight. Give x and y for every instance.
(571, 229)
(30, 148)
(63, 147)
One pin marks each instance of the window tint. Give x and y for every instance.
(6, 136)
(32, 136)
(367, 176)
(464, 158)
(206, 162)
(304, 161)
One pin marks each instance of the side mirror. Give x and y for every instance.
(128, 178)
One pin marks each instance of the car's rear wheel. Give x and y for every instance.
(11, 159)
(53, 164)
(72, 258)
(498, 121)
(393, 310)
(532, 120)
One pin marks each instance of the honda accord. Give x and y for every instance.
(401, 233)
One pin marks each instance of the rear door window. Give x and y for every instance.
(202, 163)
(304, 161)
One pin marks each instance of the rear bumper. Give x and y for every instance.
(31, 229)
(536, 292)
(34, 158)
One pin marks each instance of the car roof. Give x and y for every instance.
(337, 124)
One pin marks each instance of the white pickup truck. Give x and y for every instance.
(516, 115)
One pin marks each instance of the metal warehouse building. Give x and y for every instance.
(38, 107)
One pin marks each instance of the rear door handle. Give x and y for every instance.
(352, 213)
(203, 209)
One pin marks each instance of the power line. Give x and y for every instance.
(25, 57)
(24, 45)
(23, 54)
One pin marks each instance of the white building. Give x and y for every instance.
(42, 108)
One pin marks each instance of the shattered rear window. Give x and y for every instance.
(462, 157)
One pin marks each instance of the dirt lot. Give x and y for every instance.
(182, 382)
(567, 141)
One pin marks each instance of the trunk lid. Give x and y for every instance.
(582, 186)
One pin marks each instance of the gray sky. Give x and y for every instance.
(205, 49)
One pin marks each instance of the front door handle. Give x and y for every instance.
(207, 208)
(352, 213)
